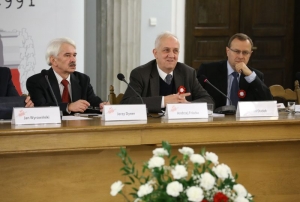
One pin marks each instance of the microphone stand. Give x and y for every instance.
(228, 109)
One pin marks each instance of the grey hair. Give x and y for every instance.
(53, 47)
(166, 34)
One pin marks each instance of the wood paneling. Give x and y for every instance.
(210, 24)
(77, 160)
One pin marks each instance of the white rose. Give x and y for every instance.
(240, 190)
(241, 199)
(174, 188)
(156, 162)
(194, 194)
(160, 152)
(207, 181)
(179, 172)
(197, 158)
(116, 187)
(222, 171)
(212, 157)
(186, 151)
(144, 189)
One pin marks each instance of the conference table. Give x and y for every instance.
(77, 159)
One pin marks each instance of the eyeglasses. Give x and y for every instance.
(245, 53)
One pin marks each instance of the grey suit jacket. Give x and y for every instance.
(145, 80)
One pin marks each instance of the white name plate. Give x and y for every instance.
(257, 109)
(124, 112)
(297, 108)
(36, 115)
(187, 111)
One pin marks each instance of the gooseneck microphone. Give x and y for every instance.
(121, 77)
(45, 74)
(228, 109)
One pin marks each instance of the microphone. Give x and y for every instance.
(228, 109)
(121, 77)
(45, 74)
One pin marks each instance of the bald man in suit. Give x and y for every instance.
(152, 83)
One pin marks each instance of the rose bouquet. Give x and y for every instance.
(209, 181)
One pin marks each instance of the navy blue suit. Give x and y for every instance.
(216, 73)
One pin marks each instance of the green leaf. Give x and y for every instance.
(132, 180)
(167, 147)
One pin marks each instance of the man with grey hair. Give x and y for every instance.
(72, 89)
(164, 80)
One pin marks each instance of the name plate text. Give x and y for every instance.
(124, 112)
(187, 111)
(257, 109)
(35, 115)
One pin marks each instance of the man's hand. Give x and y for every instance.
(101, 105)
(78, 106)
(176, 98)
(242, 68)
(28, 102)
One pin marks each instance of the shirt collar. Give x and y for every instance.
(162, 74)
(59, 78)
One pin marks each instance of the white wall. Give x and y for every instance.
(36, 26)
(170, 17)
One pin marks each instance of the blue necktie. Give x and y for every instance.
(234, 89)
(169, 79)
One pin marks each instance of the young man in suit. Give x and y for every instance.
(159, 81)
(7, 88)
(72, 89)
(249, 81)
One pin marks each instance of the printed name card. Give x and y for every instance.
(297, 108)
(187, 111)
(124, 112)
(257, 109)
(36, 115)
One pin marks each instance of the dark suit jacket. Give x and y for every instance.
(145, 80)
(41, 94)
(216, 73)
(7, 87)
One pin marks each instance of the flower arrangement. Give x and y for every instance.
(209, 181)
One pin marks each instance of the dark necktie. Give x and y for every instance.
(234, 89)
(169, 79)
(65, 95)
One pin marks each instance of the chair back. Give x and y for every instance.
(278, 91)
(113, 99)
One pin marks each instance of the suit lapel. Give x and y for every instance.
(178, 79)
(54, 83)
(76, 88)
(243, 84)
(223, 78)
(154, 81)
